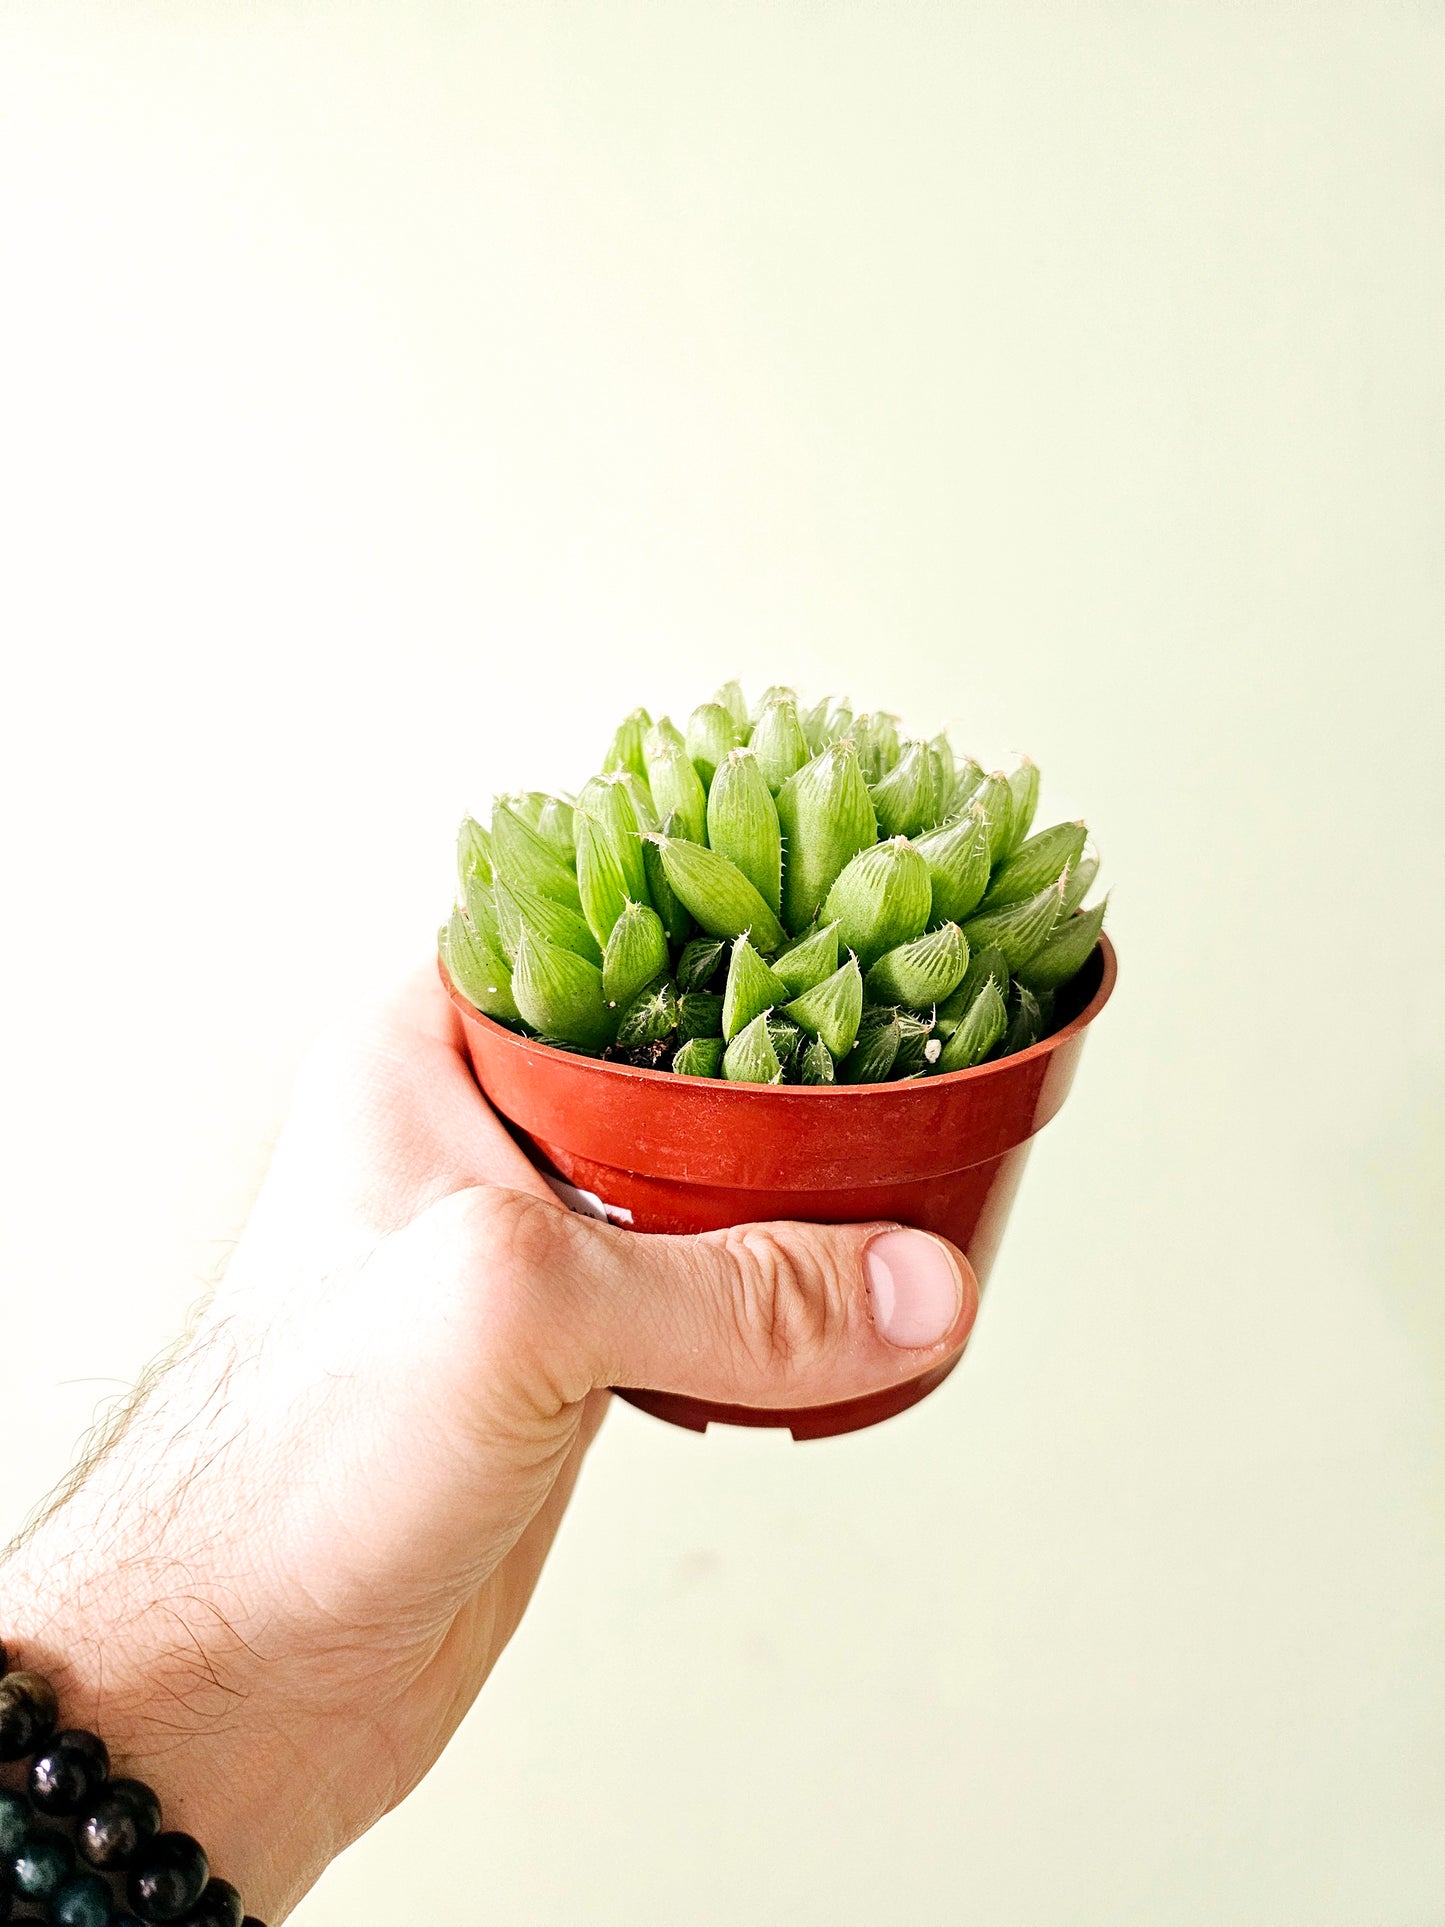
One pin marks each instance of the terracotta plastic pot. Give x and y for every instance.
(660, 1152)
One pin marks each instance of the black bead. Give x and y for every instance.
(28, 1713)
(45, 1862)
(15, 1820)
(118, 1822)
(84, 1901)
(168, 1877)
(4, 1659)
(218, 1906)
(67, 1774)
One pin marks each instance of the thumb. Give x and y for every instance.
(760, 1314)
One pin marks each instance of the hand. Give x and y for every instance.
(278, 1590)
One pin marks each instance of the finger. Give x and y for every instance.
(385, 1119)
(762, 1314)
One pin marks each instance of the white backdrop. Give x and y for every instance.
(395, 394)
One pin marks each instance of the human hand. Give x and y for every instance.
(278, 1590)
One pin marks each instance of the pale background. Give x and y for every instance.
(395, 394)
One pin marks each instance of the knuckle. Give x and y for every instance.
(787, 1303)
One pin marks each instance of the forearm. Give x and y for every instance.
(133, 1597)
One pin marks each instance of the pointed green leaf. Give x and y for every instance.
(751, 988)
(881, 900)
(516, 905)
(957, 856)
(663, 735)
(717, 893)
(1081, 881)
(1066, 952)
(742, 823)
(1034, 865)
(474, 853)
(636, 953)
(809, 960)
(827, 818)
(750, 1058)
(778, 743)
(1023, 786)
(1025, 1022)
(730, 697)
(994, 797)
(699, 1057)
(626, 751)
(871, 1059)
(698, 964)
(832, 1009)
(650, 1018)
(560, 993)
(678, 792)
(602, 876)
(815, 1064)
(700, 1014)
(1023, 928)
(905, 801)
(812, 723)
(479, 972)
(554, 826)
(983, 964)
(921, 973)
(711, 735)
(981, 1028)
(523, 857)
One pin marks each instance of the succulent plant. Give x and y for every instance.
(788, 894)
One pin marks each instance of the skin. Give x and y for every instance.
(279, 1587)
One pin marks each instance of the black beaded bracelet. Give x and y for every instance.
(117, 1831)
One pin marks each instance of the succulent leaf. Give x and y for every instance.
(742, 823)
(560, 994)
(815, 1064)
(677, 792)
(751, 1058)
(516, 905)
(731, 698)
(980, 1029)
(904, 801)
(650, 1018)
(479, 972)
(827, 817)
(700, 1014)
(778, 743)
(698, 964)
(881, 900)
(716, 892)
(636, 953)
(871, 1059)
(809, 960)
(626, 750)
(990, 962)
(921, 973)
(1023, 786)
(711, 734)
(1066, 952)
(474, 854)
(957, 856)
(832, 1009)
(1022, 929)
(523, 857)
(1033, 865)
(751, 989)
(699, 1057)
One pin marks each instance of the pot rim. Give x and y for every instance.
(1108, 976)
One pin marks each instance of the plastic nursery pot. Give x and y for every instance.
(659, 1152)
